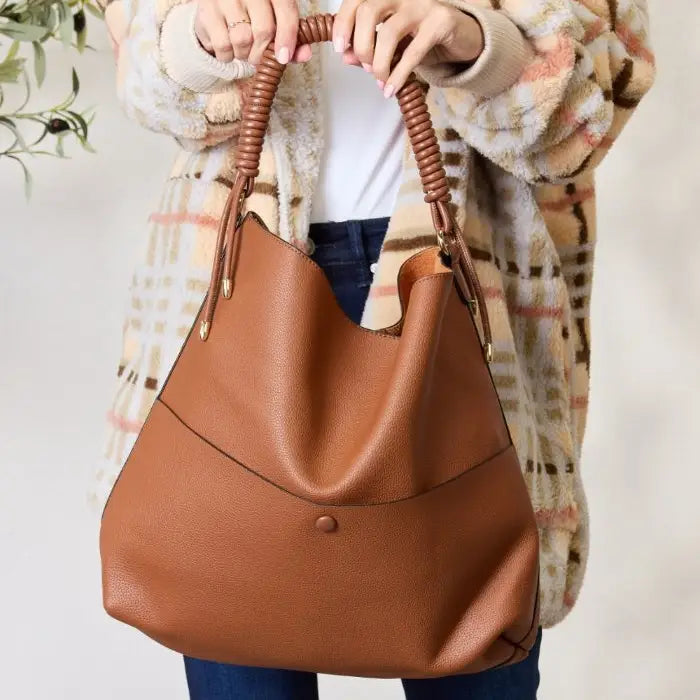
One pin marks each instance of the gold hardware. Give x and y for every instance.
(473, 306)
(233, 25)
(488, 352)
(227, 288)
(204, 330)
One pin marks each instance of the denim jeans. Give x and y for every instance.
(347, 251)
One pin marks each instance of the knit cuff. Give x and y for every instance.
(186, 61)
(506, 53)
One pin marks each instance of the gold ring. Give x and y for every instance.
(232, 25)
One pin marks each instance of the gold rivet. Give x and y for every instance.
(204, 330)
(488, 352)
(226, 284)
(326, 523)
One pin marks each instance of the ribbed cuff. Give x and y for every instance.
(505, 55)
(185, 60)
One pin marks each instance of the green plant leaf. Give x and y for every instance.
(81, 39)
(11, 126)
(27, 92)
(81, 122)
(27, 177)
(23, 32)
(28, 182)
(11, 70)
(59, 146)
(41, 136)
(37, 21)
(65, 27)
(94, 10)
(39, 62)
(14, 48)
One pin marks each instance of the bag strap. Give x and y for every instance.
(264, 84)
(255, 119)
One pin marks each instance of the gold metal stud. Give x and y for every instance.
(204, 330)
(226, 288)
(473, 306)
(488, 352)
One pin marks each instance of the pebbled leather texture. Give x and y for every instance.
(310, 494)
(288, 414)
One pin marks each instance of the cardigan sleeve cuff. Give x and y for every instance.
(187, 62)
(506, 53)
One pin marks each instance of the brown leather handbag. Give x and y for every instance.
(309, 494)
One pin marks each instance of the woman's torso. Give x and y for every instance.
(360, 167)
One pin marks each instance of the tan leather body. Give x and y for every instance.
(290, 412)
(309, 494)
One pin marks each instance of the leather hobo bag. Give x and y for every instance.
(310, 494)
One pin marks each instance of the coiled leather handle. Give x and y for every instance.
(255, 118)
(411, 98)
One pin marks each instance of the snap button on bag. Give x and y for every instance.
(326, 523)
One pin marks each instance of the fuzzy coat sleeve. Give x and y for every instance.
(590, 62)
(165, 80)
(170, 84)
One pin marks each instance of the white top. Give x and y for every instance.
(363, 146)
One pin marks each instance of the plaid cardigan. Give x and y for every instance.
(519, 159)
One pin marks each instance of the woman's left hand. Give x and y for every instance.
(429, 32)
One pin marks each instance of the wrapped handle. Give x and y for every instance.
(257, 103)
(411, 98)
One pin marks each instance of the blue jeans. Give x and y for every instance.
(346, 251)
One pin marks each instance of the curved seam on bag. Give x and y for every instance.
(534, 610)
(375, 333)
(533, 622)
(325, 504)
(505, 662)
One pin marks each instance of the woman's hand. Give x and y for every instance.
(428, 31)
(243, 29)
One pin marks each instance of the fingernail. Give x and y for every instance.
(367, 67)
(389, 91)
(339, 44)
(283, 55)
(381, 84)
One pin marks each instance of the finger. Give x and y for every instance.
(424, 40)
(344, 24)
(369, 14)
(350, 59)
(302, 54)
(213, 21)
(391, 32)
(287, 23)
(241, 39)
(239, 27)
(203, 36)
(262, 22)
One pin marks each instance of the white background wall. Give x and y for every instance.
(65, 261)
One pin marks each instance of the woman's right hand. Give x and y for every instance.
(243, 29)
